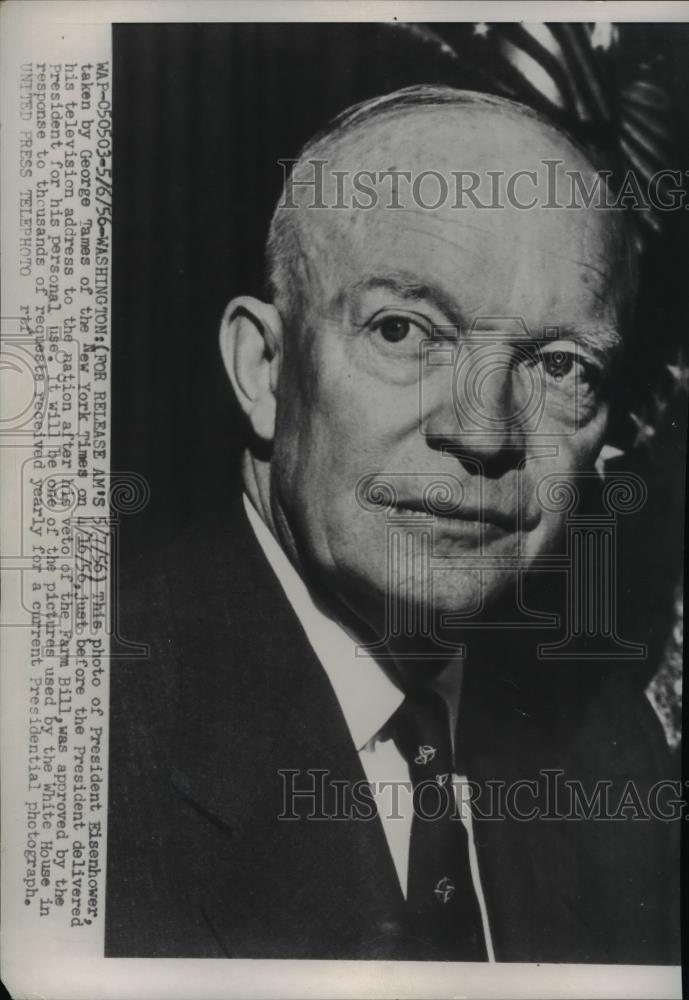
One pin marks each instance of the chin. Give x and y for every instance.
(417, 606)
(470, 594)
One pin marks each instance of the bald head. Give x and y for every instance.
(487, 169)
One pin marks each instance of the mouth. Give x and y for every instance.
(488, 519)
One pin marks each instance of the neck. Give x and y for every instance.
(256, 479)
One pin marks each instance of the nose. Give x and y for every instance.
(479, 416)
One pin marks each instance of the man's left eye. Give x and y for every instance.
(559, 364)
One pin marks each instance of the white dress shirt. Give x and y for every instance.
(368, 698)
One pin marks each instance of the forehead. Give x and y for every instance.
(465, 134)
(496, 256)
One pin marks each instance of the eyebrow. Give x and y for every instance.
(407, 286)
(602, 340)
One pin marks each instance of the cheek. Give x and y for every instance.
(340, 420)
(577, 448)
(326, 437)
(580, 451)
(555, 486)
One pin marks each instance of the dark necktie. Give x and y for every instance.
(441, 902)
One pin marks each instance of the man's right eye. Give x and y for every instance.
(393, 328)
(396, 328)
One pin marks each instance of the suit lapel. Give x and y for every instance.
(256, 703)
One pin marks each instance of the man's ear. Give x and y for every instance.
(250, 343)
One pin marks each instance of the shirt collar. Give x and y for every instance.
(367, 696)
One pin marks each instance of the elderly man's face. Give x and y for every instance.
(383, 384)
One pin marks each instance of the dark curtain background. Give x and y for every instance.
(202, 114)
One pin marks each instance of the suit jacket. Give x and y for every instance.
(231, 694)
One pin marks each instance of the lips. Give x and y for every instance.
(486, 515)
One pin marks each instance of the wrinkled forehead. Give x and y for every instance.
(480, 196)
(445, 140)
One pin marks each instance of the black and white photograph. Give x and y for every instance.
(414, 430)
